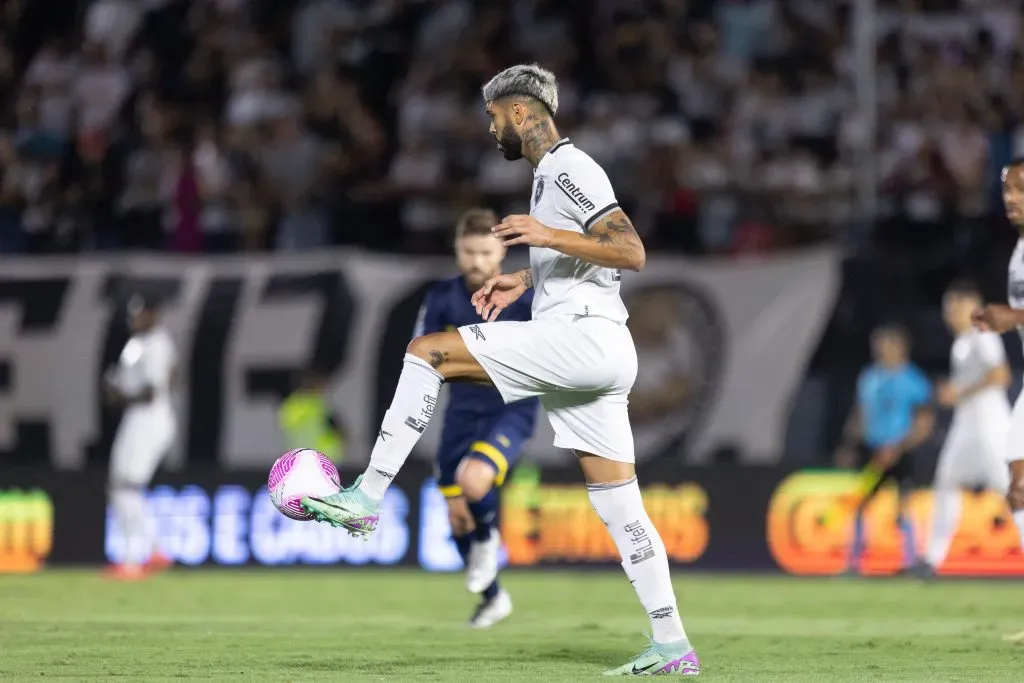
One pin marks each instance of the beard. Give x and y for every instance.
(475, 278)
(510, 144)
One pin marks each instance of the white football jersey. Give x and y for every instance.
(148, 361)
(1015, 281)
(572, 192)
(974, 353)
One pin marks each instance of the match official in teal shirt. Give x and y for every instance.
(892, 416)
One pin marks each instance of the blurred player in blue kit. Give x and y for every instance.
(481, 436)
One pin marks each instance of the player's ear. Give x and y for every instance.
(518, 112)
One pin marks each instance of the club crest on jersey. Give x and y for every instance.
(538, 191)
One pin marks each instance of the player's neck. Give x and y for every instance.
(539, 135)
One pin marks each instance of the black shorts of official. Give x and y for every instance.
(902, 473)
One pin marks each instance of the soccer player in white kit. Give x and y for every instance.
(140, 383)
(1001, 318)
(974, 455)
(576, 354)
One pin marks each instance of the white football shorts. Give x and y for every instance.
(141, 443)
(581, 367)
(1015, 442)
(974, 455)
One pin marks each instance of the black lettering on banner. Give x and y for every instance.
(39, 302)
(398, 329)
(330, 347)
(206, 369)
(117, 290)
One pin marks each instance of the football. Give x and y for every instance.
(299, 473)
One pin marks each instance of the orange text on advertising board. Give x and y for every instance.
(811, 518)
(26, 530)
(556, 523)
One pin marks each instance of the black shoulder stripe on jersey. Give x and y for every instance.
(599, 214)
(558, 145)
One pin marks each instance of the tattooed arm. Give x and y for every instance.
(611, 242)
(525, 276)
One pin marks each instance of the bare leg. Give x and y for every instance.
(446, 353)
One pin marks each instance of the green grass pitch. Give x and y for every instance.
(342, 624)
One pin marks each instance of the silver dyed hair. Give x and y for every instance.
(525, 80)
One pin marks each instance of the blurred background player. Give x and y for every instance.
(141, 384)
(480, 436)
(890, 418)
(307, 418)
(1001, 318)
(974, 455)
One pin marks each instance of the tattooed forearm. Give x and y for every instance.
(616, 230)
(526, 277)
(437, 358)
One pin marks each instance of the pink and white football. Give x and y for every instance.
(299, 473)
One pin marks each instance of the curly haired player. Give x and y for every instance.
(576, 354)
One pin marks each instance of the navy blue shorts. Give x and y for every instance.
(493, 439)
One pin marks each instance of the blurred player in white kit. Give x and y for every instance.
(1001, 318)
(974, 455)
(141, 383)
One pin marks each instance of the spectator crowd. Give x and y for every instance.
(726, 127)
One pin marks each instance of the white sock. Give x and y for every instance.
(1018, 517)
(621, 508)
(945, 518)
(130, 505)
(403, 425)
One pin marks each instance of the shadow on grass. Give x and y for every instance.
(405, 665)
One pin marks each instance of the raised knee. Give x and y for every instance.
(475, 479)
(428, 349)
(422, 347)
